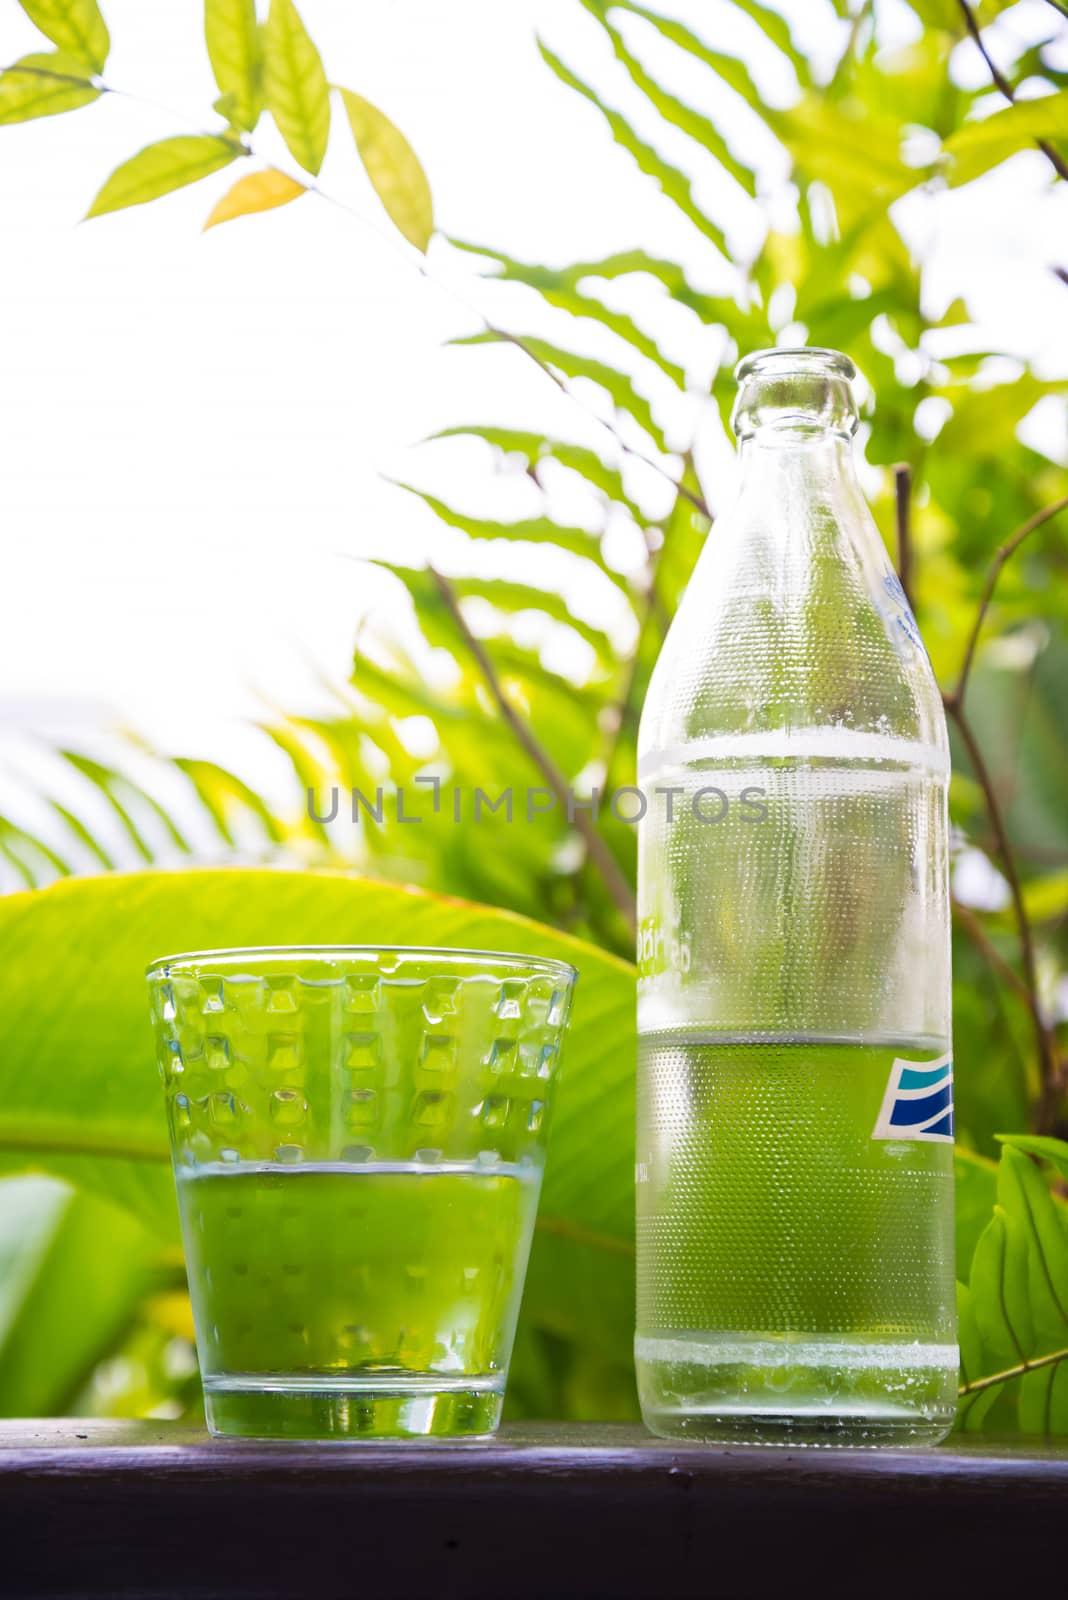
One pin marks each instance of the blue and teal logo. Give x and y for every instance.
(918, 1103)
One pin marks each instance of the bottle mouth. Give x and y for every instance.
(795, 391)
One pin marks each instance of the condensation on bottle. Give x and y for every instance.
(795, 1087)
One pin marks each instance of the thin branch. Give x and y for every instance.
(1001, 556)
(1050, 1074)
(987, 948)
(903, 521)
(979, 1384)
(635, 454)
(419, 265)
(88, 80)
(1053, 156)
(1051, 1069)
(599, 853)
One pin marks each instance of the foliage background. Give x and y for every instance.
(520, 656)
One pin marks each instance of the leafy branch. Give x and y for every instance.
(599, 853)
(993, 1379)
(1053, 156)
(1051, 1070)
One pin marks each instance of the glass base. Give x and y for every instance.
(832, 1393)
(419, 1406)
(791, 1432)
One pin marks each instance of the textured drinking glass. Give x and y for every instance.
(358, 1139)
(795, 1094)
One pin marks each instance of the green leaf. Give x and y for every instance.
(539, 447)
(393, 168)
(161, 168)
(76, 1068)
(731, 69)
(62, 1253)
(295, 87)
(561, 287)
(670, 179)
(509, 598)
(42, 86)
(75, 26)
(225, 797)
(1018, 1299)
(232, 37)
(260, 191)
(532, 530)
(979, 146)
(619, 386)
(853, 148)
(975, 1191)
(673, 110)
(1055, 1151)
(999, 1294)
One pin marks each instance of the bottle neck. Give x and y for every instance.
(790, 473)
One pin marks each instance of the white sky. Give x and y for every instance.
(193, 429)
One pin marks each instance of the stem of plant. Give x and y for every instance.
(599, 853)
(421, 266)
(1051, 1069)
(1023, 1367)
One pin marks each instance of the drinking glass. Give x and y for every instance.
(358, 1137)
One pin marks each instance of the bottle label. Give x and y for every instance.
(918, 1103)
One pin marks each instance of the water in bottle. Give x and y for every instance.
(795, 1096)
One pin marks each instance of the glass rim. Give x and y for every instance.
(164, 966)
(800, 360)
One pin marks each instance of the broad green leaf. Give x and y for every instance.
(1018, 1301)
(295, 87)
(852, 148)
(260, 191)
(1044, 1240)
(670, 179)
(72, 1269)
(74, 26)
(978, 146)
(232, 37)
(44, 85)
(161, 168)
(974, 1407)
(393, 168)
(975, 1191)
(1055, 1151)
(999, 1295)
(77, 1075)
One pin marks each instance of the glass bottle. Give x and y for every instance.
(795, 1096)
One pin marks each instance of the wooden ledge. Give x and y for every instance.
(93, 1509)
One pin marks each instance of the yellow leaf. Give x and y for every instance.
(393, 168)
(260, 191)
(295, 86)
